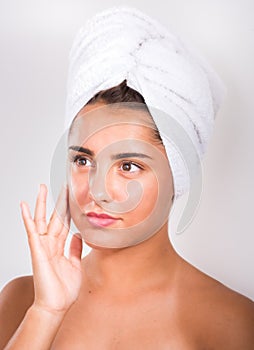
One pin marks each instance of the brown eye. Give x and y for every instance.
(130, 167)
(126, 167)
(81, 161)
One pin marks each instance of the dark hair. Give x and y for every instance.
(123, 93)
(118, 93)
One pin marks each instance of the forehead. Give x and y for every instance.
(108, 124)
(107, 131)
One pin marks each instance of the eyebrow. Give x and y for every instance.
(82, 149)
(129, 155)
(114, 157)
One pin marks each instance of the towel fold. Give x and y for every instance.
(124, 43)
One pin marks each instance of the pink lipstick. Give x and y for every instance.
(100, 220)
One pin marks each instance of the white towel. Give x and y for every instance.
(124, 43)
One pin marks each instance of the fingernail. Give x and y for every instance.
(41, 187)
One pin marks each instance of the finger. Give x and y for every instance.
(67, 220)
(59, 215)
(76, 249)
(27, 218)
(40, 210)
(32, 234)
(64, 231)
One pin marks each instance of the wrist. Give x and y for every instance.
(45, 312)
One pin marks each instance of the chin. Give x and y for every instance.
(101, 248)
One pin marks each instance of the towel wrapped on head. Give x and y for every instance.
(125, 43)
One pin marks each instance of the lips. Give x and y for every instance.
(101, 220)
(102, 216)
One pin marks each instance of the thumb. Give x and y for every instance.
(76, 249)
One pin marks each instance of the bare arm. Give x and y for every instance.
(57, 279)
(37, 330)
(15, 299)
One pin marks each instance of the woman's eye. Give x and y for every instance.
(130, 167)
(82, 161)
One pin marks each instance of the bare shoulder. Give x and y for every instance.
(228, 316)
(15, 298)
(237, 318)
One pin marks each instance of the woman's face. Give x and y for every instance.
(119, 178)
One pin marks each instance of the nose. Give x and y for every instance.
(99, 196)
(97, 186)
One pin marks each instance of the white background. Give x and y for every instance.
(35, 39)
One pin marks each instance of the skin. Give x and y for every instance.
(111, 144)
(139, 296)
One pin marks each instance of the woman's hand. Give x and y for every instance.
(57, 279)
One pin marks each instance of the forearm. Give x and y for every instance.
(37, 330)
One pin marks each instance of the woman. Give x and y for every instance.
(132, 291)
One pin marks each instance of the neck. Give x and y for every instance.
(150, 263)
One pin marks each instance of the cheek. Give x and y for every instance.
(148, 201)
(116, 186)
(78, 184)
(150, 194)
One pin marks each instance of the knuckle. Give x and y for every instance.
(38, 220)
